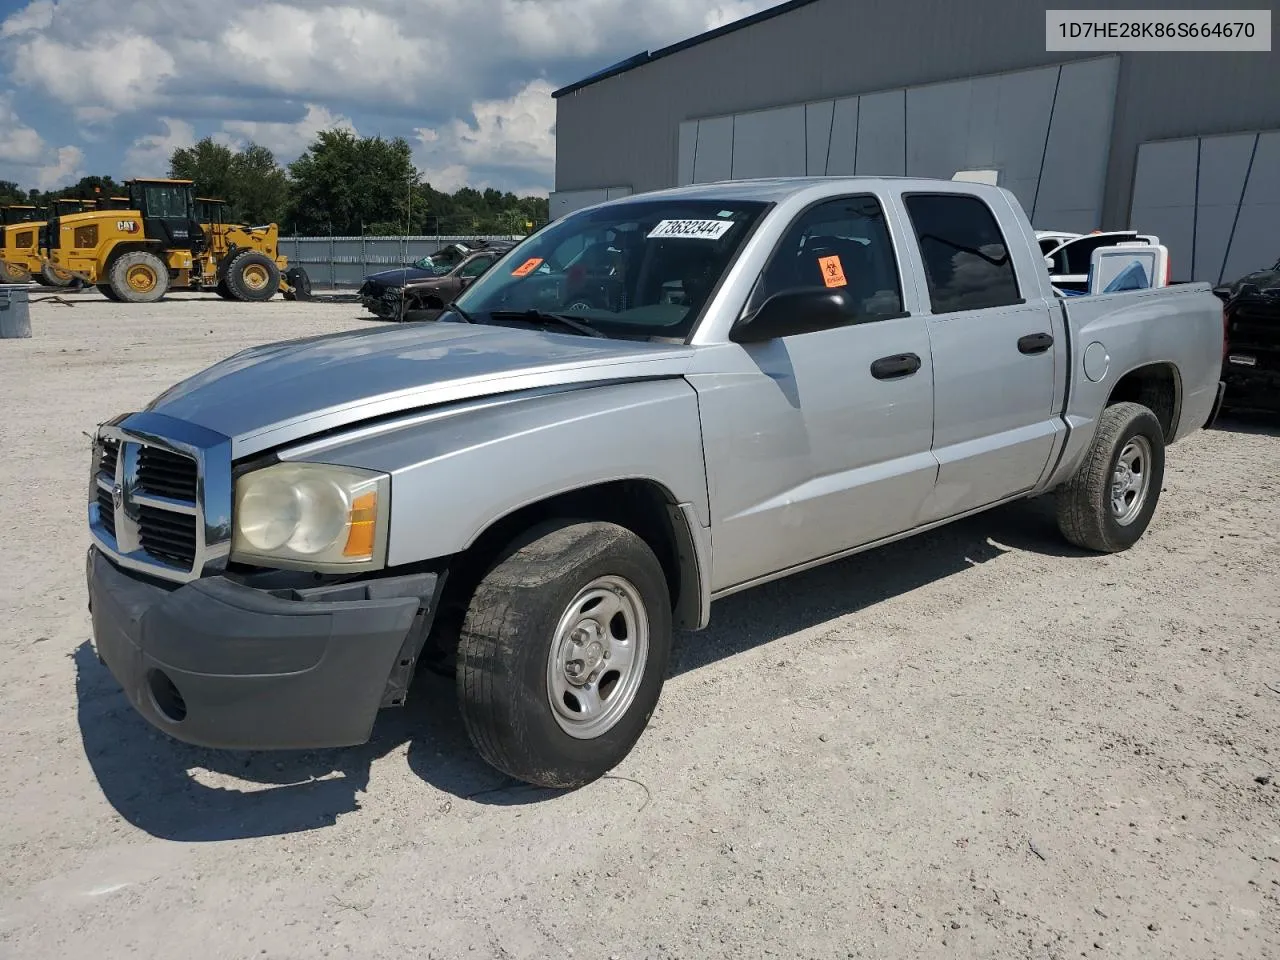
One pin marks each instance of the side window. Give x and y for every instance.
(476, 267)
(966, 261)
(840, 243)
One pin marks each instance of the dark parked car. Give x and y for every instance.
(1251, 366)
(390, 293)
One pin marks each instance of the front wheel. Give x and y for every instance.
(1109, 501)
(252, 276)
(563, 653)
(54, 275)
(12, 273)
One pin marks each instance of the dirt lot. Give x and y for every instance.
(976, 743)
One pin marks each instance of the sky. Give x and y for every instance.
(113, 86)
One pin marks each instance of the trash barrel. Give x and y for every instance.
(15, 311)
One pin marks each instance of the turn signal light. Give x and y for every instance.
(364, 521)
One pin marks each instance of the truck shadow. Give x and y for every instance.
(1257, 422)
(179, 792)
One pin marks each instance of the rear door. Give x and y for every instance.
(994, 351)
(819, 442)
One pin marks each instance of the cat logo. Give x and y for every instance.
(127, 226)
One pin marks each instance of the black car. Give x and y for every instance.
(1251, 367)
(376, 286)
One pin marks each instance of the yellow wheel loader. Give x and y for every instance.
(19, 249)
(159, 244)
(22, 254)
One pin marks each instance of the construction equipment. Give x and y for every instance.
(226, 238)
(160, 244)
(18, 230)
(25, 240)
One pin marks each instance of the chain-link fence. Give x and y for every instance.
(338, 262)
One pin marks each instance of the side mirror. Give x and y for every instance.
(791, 312)
(1049, 262)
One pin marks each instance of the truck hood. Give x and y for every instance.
(282, 392)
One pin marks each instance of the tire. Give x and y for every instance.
(55, 276)
(106, 291)
(1088, 516)
(514, 655)
(252, 276)
(222, 291)
(139, 277)
(11, 273)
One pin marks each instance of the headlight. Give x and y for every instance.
(311, 516)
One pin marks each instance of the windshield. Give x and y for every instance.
(642, 268)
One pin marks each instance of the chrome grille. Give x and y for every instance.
(107, 459)
(107, 512)
(167, 474)
(160, 496)
(167, 535)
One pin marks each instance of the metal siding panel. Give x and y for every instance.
(1253, 245)
(881, 132)
(842, 152)
(1224, 164)
(984, 124)
(1022, 122)
(1073, 177)
(817, 124)
(938, 129)
(714, 159)
(688, 148)
(1164, 199)
(769, 143)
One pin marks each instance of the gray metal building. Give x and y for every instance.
(1183, 145)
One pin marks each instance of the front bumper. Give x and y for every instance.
(220, 664)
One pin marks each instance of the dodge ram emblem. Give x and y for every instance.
(117, 495)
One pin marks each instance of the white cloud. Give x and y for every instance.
(66, 168)
(25, 157)
(119, 71)
(33, 17)
(285, 140)
(149, 155)
(224, 65)
(19, 143)
(516, 134)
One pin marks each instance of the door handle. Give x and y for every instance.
(895, 367)
(1035, 343)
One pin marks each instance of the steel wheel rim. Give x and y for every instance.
(1131, 480)
(141, 278)
(598, 656)
(255, 277)
(59, 272)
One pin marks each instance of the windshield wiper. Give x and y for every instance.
(541, 316)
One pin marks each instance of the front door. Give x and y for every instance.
(820, 442)
(994, 354)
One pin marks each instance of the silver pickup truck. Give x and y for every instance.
(647, 405)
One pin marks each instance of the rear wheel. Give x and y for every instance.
(139, 277)
(563, 653)
(252, 276)
(12, 273)
(55, 276)
(1110, 499)
(106, 291)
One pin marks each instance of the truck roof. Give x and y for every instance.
(780, 188)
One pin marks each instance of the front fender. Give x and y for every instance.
(456, 470)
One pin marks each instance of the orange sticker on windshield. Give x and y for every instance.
(832, 271)
(526, 268)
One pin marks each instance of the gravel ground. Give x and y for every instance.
(978, 742)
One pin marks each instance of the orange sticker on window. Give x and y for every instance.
(832, 271)
(526, 268)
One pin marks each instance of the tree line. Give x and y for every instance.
(342, 184)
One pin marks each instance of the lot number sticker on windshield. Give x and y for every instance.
(692, 229)
(832, 271)
(526, 268)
